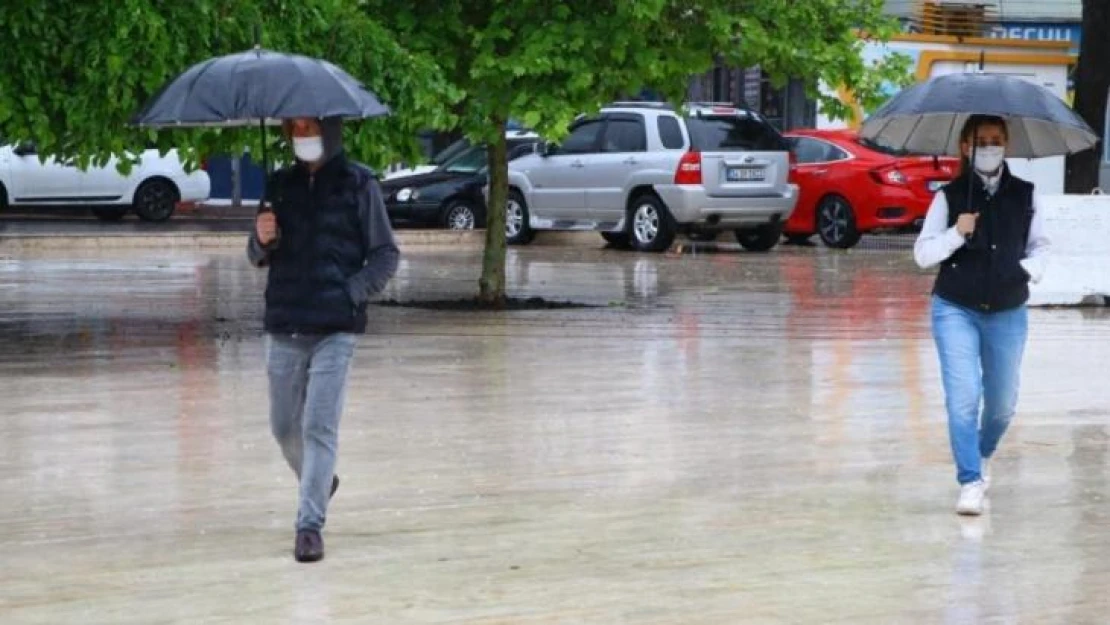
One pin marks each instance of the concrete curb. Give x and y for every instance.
(176, 240)
(473, 239)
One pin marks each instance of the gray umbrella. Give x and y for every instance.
(927, 118)
(259, 86)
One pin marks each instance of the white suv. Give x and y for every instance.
(641, 172)
(153, 188)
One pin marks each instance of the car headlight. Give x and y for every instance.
(407, 195)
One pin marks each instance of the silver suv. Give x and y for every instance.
(640, 173)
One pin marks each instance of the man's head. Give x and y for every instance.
(315, 141)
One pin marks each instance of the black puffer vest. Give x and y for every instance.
(321, 246)
(986, 273)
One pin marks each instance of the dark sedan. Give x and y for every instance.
(451, 196)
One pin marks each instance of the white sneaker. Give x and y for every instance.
(985, 472)
(971, 498)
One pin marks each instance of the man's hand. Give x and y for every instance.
(965, 225)
(265, 227)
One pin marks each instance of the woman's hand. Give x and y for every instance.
(965, 225)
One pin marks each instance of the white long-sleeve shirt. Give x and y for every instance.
(937, 242)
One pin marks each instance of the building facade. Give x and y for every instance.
(789, 107)
(1025, 20)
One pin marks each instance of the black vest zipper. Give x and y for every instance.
(988, 224)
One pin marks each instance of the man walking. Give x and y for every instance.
(326, 239)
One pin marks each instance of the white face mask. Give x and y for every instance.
(308, 149)
(988, 160)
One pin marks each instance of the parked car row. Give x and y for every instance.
(642, 173)
(152, 190)
(639, 173)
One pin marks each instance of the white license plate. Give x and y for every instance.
(746, 174)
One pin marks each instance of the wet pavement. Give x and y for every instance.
(727, 438)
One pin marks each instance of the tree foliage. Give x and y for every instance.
(76, 72)
(544, 62)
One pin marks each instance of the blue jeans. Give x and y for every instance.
(980, 362)
(308, 381)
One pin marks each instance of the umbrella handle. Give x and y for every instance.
(263, 206)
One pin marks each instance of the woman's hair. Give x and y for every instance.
(971, 128)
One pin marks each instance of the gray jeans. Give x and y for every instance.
(308, 381)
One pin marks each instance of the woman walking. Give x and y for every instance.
(990, 244)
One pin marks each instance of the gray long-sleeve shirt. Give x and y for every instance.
(382, 254)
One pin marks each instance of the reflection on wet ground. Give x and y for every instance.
(728, 438)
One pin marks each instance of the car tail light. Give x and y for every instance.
(689, 169)
(889, 175)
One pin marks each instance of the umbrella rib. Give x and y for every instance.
(951, 130)
(346, 85)
(235, 72)
(304, 77)
(886, 124)
(913, 129)
(192, 85)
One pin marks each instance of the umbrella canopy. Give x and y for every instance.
(259, 87)
(927, 118)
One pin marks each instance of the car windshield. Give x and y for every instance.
(722, 133)
(469, 162)
(450, 151)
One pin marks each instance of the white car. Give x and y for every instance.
(153, 188)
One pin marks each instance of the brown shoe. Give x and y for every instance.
(309, 546)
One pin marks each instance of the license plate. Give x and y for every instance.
(746, 174)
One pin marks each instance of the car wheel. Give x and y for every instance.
(109, 214)
(761, 238)
(459, 215)
(653, 228)
(836, 223)
(3, 197)
(619, 240)
(517, 230)
(155, 200)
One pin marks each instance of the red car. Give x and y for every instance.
(850, 186)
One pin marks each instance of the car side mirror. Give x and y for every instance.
(25, 149)
(548, 149)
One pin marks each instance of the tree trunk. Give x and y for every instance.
(1092, 80)
(492, 283)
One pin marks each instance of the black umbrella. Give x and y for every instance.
(258, 87)
(927, 118)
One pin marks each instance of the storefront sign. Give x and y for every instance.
(1025, 31)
